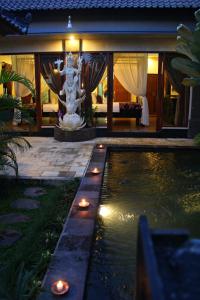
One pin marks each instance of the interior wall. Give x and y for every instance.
(152, 64)
(6, 59)
(120, 93)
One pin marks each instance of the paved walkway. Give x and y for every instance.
(50, 159)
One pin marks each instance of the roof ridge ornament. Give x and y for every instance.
(69, 23)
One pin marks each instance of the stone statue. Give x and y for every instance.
(74, 95)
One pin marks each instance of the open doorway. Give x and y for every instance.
(14, 119)
(135, 92)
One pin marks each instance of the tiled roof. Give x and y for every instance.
(90, 4)
(16, 24)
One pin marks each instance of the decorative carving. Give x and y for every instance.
(74, 95)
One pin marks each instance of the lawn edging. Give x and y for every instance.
(71, 256)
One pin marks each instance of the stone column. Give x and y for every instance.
(194, 122)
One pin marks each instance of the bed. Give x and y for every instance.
(120, 110)
(50, 108)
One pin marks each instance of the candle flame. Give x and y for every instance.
(59, 285)
(83, 201)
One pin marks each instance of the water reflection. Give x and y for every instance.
(105, 211)
(163, 186)
(115, 214)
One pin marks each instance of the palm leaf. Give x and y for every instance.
(186, 66)
(8, 76)
(8, 145)
(197, 15)
(185, 33)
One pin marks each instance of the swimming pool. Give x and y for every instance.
(165, 186)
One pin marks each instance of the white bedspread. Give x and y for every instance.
(103, 107)
(49, 107)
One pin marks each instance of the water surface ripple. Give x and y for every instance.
(165, 186)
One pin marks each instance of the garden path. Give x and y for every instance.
(50, 159)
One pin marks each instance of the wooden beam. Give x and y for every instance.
(109, 90)
(38, 92)
(160, 94)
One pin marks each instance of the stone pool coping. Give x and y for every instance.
(70, 260)
(71, 257)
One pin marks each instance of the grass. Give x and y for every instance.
(22, 266)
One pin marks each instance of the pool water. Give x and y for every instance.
(165, 186)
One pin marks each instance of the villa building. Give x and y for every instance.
(127, 47)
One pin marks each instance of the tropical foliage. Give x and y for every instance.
(11, 76)
(23, 265)
(188, 44)
(10, 143)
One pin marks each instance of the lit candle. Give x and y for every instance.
(83, 203)
(60, 287)
(100, 146)
(95, 171)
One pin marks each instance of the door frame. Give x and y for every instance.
(110, 86)
(160, 93)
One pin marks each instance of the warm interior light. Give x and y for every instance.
(71, 38)
(72, 44)
(152, 64)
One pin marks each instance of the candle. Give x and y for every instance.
(60, 287)
(100, 146)
(83, 203)
(95, 171)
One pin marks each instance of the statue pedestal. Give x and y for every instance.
(81, 135)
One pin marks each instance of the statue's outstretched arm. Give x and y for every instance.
(61, 101)
(58, 63)
(81, 99)
(80, 62)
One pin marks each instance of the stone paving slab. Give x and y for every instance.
(9, 237)
(13, 218)
(68, 266)
(27, 204)
(79, 227)
(50, 159)
(71, 257)
(34, 191)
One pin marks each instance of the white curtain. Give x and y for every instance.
(131, 71)
(23, 65)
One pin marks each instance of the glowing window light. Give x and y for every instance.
(71, 38)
